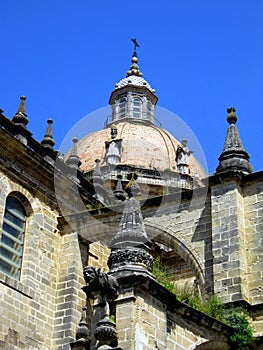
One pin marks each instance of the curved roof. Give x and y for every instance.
(133, 80)
(143, 145)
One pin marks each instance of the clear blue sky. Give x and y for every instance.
(200, 56)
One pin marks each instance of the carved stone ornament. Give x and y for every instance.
(100, 284)
(130, 256)
(105, 332)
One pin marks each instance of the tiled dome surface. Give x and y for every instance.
(133, 80)
(143, 145)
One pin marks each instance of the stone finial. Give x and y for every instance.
(132, 188)
(134, 68)
(106, 333)
(83, 330)
(48, 140)
(73, 160)
(130, 246)
(82, 341)
(234, 156)
(231, 117)
(20, 117)
(118, 192)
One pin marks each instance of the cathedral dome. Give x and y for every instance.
(143, 145)
(131, 137)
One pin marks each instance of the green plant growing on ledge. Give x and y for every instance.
(238, 319)
(161, 275)
(212, 306)
(112, 318)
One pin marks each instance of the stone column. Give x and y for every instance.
(228, 240)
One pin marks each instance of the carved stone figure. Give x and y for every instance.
(182, 157)
(100, 284)
(113, 148)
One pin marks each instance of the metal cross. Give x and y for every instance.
(135, 45)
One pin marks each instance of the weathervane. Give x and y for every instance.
(135, 46)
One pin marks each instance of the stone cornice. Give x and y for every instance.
(35, 166)
(235, 175)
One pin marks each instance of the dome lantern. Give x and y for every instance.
(133, 97)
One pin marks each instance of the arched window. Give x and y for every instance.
(137, 107)
(122, 108)
(12, 238)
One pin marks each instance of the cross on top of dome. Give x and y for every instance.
(135, 46)
(134, 68)
(134, 75)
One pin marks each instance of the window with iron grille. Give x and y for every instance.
(12, 238)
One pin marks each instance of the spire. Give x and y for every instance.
(134, 68)
(234, 156)
(48, 140)
(20, 117)
(131, 232)
(130, 247)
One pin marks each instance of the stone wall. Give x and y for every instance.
(229, 264)
(69, 295)
(253, 203)
(186, 228)
(28, 305)
(219, 239)
(42, 309)
(149, 317)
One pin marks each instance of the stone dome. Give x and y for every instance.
(143, 145)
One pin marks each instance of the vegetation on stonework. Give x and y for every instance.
(212, 306)
(238, 319)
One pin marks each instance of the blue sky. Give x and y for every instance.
(200, 56)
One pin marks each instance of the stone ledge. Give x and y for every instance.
(190, 315)
(235, 175)
(16, 285)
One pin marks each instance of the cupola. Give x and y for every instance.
(133, 97)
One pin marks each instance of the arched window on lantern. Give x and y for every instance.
(137, 107)
(122, 108)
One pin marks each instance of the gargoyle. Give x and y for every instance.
(100, 284)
